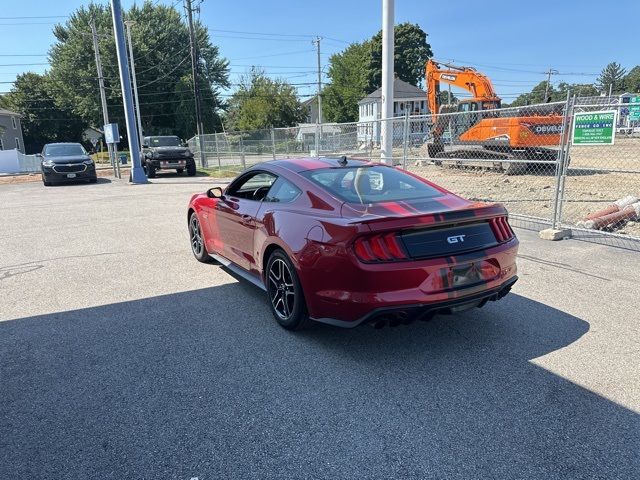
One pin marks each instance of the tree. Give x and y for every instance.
(611, 77)
(411, 53)
(43, 121)
(357, 70)
(161, 49)
(348, 72)
(262, 102)
(555, 94)
(632, 80)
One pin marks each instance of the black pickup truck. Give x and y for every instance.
(166, 153)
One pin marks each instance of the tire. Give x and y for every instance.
(284, 292)
(198, 247)
(151, 171)
(93, 180)
(46, 183)
(179, 171)
(191, 170)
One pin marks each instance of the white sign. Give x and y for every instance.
(111, 133)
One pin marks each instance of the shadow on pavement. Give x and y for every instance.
(205, 384)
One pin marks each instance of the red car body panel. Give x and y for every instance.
(317, 231)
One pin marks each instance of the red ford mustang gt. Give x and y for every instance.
(347, 242)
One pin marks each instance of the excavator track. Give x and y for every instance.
(538, 158)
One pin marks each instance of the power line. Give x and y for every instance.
(29, 17)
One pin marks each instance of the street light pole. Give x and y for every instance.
(128, 24)
(319, 119)
(196, 87)
(386, 151)
(137, 173)
(103, 96)
(550, 72)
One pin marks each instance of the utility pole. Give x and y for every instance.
(194, 74)
(316, 42)
(137, 173)
(128, 24)
(550, 72)
(103, 96)
(386, 151)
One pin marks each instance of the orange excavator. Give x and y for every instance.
(479, 128)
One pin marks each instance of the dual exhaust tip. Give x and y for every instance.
(396, 319)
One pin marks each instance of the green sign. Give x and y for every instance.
(634, 110)
(594, 128)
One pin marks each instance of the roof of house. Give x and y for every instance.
(401, 89)
(8, 112)
(311, 100)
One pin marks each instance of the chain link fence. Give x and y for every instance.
(524, 157)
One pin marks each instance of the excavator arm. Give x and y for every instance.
(467, 78)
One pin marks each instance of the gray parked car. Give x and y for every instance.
(65, 162)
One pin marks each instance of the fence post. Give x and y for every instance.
(242, 159)
(565, 163)
(561, 161)
(273, 142)
(317, 140)
(215, 137)
(405, 140)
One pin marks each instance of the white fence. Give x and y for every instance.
(13, 161)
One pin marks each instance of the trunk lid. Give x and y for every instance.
(434, 227)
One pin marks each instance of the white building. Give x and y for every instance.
(405, 97)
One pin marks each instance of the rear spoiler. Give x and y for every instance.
(475, 212)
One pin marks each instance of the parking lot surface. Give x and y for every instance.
(122, 357)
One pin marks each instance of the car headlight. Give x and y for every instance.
(88, 162)
(48, 163)
(189, 153)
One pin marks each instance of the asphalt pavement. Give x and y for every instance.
(121, 357)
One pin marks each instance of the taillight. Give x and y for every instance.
(501, 229)
(379, 248)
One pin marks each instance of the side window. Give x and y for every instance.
(253, 186)
(14, 123)
(282, 191)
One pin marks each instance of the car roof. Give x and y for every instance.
(62, 143)
(303, 164)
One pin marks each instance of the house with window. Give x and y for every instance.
(310, 107)
(10, 131)
(406, 98)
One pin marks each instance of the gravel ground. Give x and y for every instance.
(122, 357)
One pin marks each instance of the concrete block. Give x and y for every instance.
(555, 234)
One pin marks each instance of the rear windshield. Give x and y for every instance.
(164, 142)
(370, 184)
(68, 150)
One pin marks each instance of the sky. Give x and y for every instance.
(514, 43)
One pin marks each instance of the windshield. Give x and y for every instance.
(164, 142)
(64, 150)
(371, 184)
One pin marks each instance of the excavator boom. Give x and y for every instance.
(476, 83)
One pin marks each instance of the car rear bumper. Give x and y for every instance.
(343, 291)
(404, 314)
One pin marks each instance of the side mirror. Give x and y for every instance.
(215, 192)
(39, 155)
